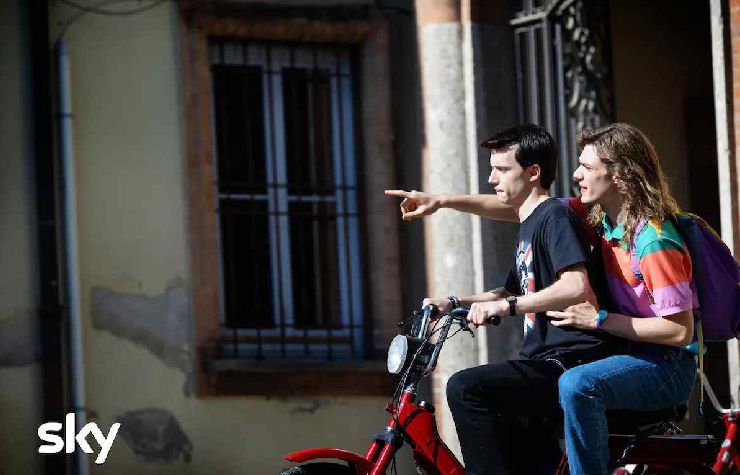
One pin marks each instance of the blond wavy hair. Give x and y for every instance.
(630, 157)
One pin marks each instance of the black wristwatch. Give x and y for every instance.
(512, 305)
(454, 301)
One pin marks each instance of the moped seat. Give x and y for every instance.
(626, 421)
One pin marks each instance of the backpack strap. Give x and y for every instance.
(700, 341)
(599, 232)
(596, 271)
(634, 261)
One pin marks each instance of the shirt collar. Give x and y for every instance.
(612, 233)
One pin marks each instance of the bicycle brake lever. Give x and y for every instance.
(465, 325)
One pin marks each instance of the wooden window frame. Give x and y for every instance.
(379, 215)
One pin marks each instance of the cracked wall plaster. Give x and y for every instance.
(155, 436)
(19, 341)
(161, 324)
(310, 407)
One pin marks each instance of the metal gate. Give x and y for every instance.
(563, 67)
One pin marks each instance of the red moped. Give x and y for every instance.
(641, 442)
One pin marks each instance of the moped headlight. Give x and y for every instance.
(397, 354)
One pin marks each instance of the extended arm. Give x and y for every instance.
(417, 204)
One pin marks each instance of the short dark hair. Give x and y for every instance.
(536, 147)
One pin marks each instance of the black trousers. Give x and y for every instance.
(501, 412)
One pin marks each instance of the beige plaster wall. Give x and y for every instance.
(132, 207)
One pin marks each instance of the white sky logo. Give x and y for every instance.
(56, 443)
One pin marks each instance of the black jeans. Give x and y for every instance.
(499, 410)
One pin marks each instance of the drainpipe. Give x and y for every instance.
(51, 316)
(71, 257)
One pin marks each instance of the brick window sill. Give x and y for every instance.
(285, 379)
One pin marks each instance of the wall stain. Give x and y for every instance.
(155, 436)
(310, 407)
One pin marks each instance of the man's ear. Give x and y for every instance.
(535, 172)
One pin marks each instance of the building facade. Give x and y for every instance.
(197, 242)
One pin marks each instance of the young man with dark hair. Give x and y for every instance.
(549, 272)
(535, 147)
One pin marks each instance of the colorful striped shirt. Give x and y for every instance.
(663, 260)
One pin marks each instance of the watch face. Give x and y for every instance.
(511, 298)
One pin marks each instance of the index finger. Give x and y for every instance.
(399, 193)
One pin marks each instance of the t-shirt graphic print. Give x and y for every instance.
(526, 277)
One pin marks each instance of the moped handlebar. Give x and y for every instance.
(460, 314)
(419, 347)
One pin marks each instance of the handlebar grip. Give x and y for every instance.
(432, 310)
(462, 312)
(494, 320)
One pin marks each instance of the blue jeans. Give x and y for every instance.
(648, 377)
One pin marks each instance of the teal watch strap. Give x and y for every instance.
(601, 317)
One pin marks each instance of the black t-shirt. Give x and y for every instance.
(549, 240)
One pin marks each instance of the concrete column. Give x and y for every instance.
(448, 240)
(727, 169)
(467, 69)
(477, 168)
(730, 171)
(721, 109)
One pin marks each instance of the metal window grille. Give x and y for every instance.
(287, 201)
(563, 68)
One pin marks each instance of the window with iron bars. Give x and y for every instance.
(291, 282)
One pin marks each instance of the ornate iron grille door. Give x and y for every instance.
(563, 68)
